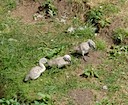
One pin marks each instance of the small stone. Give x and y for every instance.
(71, 29)
(9, 11)
(63, 21)
(105, 87)
(96, 34)
(52, 40)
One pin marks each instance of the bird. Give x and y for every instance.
(84, 48)
(60, 61)
(36, 71)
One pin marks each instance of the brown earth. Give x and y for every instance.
(25, 11)
(82, 97)
(28, 8)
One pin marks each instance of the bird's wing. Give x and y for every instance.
(84, 47)
(35, 72)
(61, 62)
(52, 63)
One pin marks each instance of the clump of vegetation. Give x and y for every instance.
(97, 15)
(49, 7)
(52, 52)
(100, 44)
(117, 51)
(104, 102)
(45, 100)
(10, 4)
(90, 72)
(119, 35)
(4, 101)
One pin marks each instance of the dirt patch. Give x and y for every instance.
(28, 8)
(82, 97)
(95, 58)
(25, 11)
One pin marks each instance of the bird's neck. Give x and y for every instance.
(42, 65)
(89, 44)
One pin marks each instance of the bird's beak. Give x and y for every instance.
(70, 62)
(94, 47)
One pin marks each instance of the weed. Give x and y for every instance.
(90, 72)
(4, 101)
(104, 102)
(94, 15)
(97, 15)
(117, 51)
(119, 35)
(52, 52)
(100, 44)
(49, 7)
(10, 4)
(45, 100)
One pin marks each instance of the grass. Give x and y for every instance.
(23, 45)
(100, 44)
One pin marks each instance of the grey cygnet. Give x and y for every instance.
(36, 71)
(84, 47)
(60, 61)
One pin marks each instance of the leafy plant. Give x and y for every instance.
(104, 102)
(100, 44)
(119, 35)
(4, 101)
(90, 72)
(45, 100)
(97, 15)
(52, 52)
(94, 15)
(116, 51)
(49, 7)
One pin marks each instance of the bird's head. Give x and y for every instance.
(43, 60)
(67, 58)
(91, 43)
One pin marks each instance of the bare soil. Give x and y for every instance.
(26, 11)
(82, 96)
(28, 8)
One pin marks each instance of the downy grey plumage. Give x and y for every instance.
(35, 72)
(60, 61)
(84, 47)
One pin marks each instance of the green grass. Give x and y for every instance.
(22, 45)
(100, 44)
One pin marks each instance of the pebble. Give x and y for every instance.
(105, 87)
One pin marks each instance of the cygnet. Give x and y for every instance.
(35, 72)
(60, 61)
(84, 47)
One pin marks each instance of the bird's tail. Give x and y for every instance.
(27, 78)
